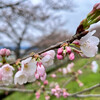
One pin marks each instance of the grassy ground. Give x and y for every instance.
(88, 78)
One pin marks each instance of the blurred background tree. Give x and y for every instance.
(25, 26)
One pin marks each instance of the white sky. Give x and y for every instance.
(81, 11)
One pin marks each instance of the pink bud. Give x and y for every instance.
(3, 52)
(80, 72)
(8, 52)
(76, 42)
(40, 69)
(65, 94)
(81, 84)
(43, 78)
(36, 75)
(97, 6)
(37, 94)
(59, 57)
(57, 86)
(59, 69)
(53, 91)
(72, 56)
(60, 51)
(46, 82)
(68, 49)
(57, 95)
(53, 75)
(47, 97)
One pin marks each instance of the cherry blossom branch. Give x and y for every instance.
(76, 36)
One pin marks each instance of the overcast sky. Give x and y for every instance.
(81, 11)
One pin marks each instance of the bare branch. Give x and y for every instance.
(85, 90)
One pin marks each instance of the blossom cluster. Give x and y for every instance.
(29, 69)
(58, 92)
(63, 51)
(86, 47)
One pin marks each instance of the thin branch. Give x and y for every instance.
(76, 36)
(89, 95)
(17, 90)
(85, 90)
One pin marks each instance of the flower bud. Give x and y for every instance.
(65, 94)
(3, 52)
(53, 75)
(60, 51)
(46, 82)
(68, 49)
(36, 75)
(47, 97)
(81, 84)
(80, 72)
(53, 91)
(76, 42)
(37, 94)
(72, 56)
(59, 57)
(8, 52)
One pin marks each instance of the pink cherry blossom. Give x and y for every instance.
(81, 84)
(94, 66)
(6, 72)
(53, 75)
(88, 44)
(8, 52)
(40, 69)
(3, 52)
(65, 94)
(76, 42)
(71, 65)
(50, 52)
(80, 72)
(37, 75)
(64, 70)
(47, 97)
(59, 57)
(60, 51)
(71, 56)
(20, 78)
(37, 94)
(45, 82)
(43, 78)
(48, 58)
(68, 49)
(53, 91)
